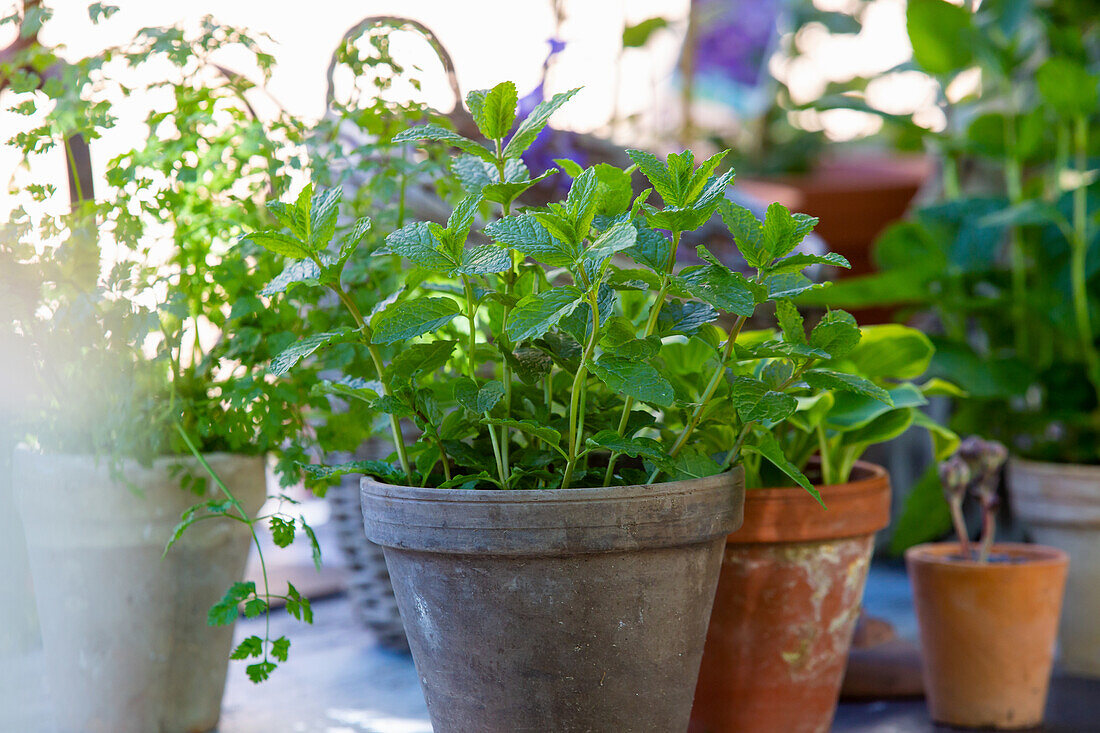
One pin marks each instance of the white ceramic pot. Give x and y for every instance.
(1060, 502)
(127, 646)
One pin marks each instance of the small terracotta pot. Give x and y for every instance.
(1060, 502)
(987, 631)
(787, 602)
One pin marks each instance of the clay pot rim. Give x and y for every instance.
(564, 496)
(868, 481)
(937, 553)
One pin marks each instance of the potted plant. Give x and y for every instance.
(543, 571)
(1003, 266)
(792, 576)
(988, 615)
(138, 390)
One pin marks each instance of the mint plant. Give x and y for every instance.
(528, 352)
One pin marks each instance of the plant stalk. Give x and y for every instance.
(1079, 254)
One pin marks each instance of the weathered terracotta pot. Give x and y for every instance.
(1060, 503)
(788, 598)
(127, 646)
(576, 610)
(987, 632)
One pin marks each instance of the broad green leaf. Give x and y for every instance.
(852, 411)
(657, 174)
(546, 434)
(416, 243)
(461, 219)
(652, 249)
(936, 387)
(790, 285)
(412, 318)
(378, 469)
(526, 235)
(892, 351)
(478, 400)
(613, 190)
(475, 174)
(353, 389)
(783, 231)
(942, 35)
(530, 128)
(354, 238)
(225, 611)
(538, 313)
(636, 379)
(289, 216)
(691, 464)
(925, 515)
(883, 428)
(721, 287)
(494, 110)
(581, 202)
(416, 359)
(483, 259)
(747, 232)
(836, 333)
(829, 379)
(684, 317)
(390, 405)
(295, 272)
(799, 262)
(619, 237)
(286, 360)
(617, 338)
(633, 447)
(790, 322)
(532, 364)
(324, 209)
(279, 243)
(764, 443)
(756, 402)
(436, 133)
(944, 440)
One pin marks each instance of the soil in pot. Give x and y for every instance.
(127, 646)
(787, 602)
(558, 610)
(1060, 503)
(987, 631)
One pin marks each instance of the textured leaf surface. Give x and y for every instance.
(286, 360)
(412, 318)
(538, 313)
(637, 379)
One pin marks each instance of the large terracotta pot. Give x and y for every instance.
(987, 632)
(573, 611)
(788, 598)
(127, 646)
(1060, 503)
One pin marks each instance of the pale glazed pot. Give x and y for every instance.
(1060, 503)
(788, 598)
(127, 646)
(572, 611)
(987, 632)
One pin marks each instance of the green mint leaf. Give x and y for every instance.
(507, 192)
(836, 333)
(461, 220)
(636, 379)
(296, 272)
(790, 322)
(526, 235)
(783, 231)
(412, 318)
(477, 400)
(651, 249)
(315, 552)
(828, 379)
(288, 216)
(633, 447)
(721, 287)
(415, 242)
(324, 209)
(756, 402)
(619, 237)
(531, 364)
(391, 405)
(435, 133)
(546, 434)
(581, 202)
(351, 389)
(799, 262)
(657, 174)
(279, 243)
(417, 359)
(286, 360)
(483, 259)
(691, 464)
(684, 317)
(538, 313)
(700, 180)
(530, 128)
(382, 471)
(790, 285)
(494, 110)
(354, 238)
(765, 444)
(747, 232)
